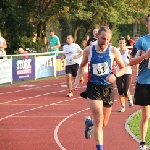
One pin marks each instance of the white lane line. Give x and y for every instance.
(23, 104)
(58, 126)
(127, 127)
(21, 99)
(38, 116)
(37, 96)
(46, 94)
(32, 88)
(18, 91)
(26, 130)
(64, 86)
(25, 98)
(18, 113)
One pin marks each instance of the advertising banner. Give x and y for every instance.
(60, 66)
(23, 69)
(5, 71)
(45, 66)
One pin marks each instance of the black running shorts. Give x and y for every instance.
(142, 94)
(72, 69)
(101, 92)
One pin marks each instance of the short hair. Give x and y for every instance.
(51, 30)
(71, 36)
(137, 35)
(105, 29)
(148, 16)
(122, 38)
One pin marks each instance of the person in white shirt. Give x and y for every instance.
(3, 45)
(123, 82)
(72, 53)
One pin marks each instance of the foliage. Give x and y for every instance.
(33, 18)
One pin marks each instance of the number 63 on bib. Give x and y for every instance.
(100, 69)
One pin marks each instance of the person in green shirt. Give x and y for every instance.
(53, 43)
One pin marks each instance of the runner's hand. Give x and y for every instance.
(111, 78)
(75, 57)
(62, 57)
(147, 54)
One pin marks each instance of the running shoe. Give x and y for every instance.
(142, 147)
(70, 94)
(122, 109)
(130, 103)
(88, 129)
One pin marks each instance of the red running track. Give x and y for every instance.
(38, 116)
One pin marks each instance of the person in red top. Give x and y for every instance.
(129, 41)
(22, 51)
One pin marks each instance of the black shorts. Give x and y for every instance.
(142, 94)
(101, 92)
(72, 69)
(123, 84)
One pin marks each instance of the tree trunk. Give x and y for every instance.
(134, 28)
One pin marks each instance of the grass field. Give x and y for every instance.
(134, 127)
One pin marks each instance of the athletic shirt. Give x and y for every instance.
(53, 41)
(1, 43)
(94, 43)
(70, 51)
(125, 58)
(100, 66)
(142, 45)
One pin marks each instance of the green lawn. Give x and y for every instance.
(134, 127)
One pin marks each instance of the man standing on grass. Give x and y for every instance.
(142, 89)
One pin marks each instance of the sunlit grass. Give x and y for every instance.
(134, 125)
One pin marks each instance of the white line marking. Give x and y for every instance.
(31, 109)
(27, 85)
(25, 130)
(23, 104)
(64, 86)
(46, 94)
(58, 126)
(31, 88)
(18, 91)
(38, 116)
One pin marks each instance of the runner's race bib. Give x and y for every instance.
(69, 60)
(100, 69)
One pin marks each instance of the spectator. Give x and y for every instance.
(129, 41)
(134, 50)
(22, 51)
(94, 38)
(53, 44)
(3, 45)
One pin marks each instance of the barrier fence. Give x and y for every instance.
(38, 65)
